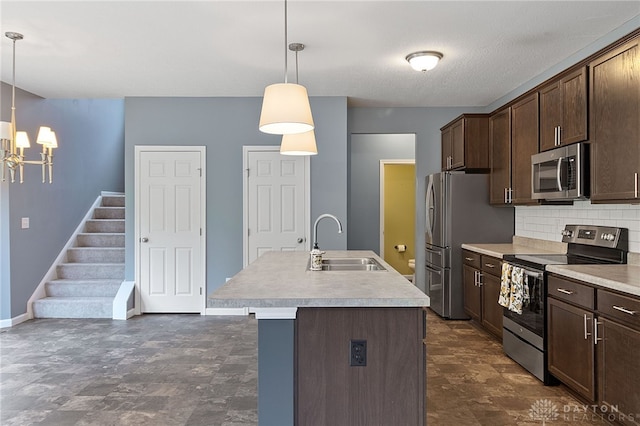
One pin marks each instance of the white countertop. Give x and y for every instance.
(499, 250)
(281, 280)
(624, 278)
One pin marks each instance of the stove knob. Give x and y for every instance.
(609, 237)
(567, 233)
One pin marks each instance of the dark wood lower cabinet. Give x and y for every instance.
(619, 370)
(472, 293)
(389, 390)
(570, 342)
(492, 312)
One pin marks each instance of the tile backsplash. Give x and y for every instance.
(546, 222)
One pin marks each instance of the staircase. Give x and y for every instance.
(89, 279)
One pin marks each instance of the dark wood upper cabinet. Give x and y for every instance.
(563, 110)
(500, 156)
(465, 143)
(614, 124)
(524, 143)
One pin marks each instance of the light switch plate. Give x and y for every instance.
(25, 223)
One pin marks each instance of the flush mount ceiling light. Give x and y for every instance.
(11, 139)
(298, 143)
(285, 106)
(424, 61)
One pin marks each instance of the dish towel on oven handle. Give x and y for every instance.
(505, 285)
(517, 290)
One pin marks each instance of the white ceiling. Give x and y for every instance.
(114, 49)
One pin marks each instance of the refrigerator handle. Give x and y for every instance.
(430, 208)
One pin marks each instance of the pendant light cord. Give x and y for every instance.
(286, 69)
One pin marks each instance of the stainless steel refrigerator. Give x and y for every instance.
(458, 212)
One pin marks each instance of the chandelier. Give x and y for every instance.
(13, 142)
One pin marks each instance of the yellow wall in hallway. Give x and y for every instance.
(399, 214)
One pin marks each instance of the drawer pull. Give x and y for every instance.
(563, 291)
(489, 265)
(626, 311)
(469, 259)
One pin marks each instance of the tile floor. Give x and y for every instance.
(192, 370)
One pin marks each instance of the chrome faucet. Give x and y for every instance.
(315, 227)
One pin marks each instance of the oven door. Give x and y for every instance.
(533, 309)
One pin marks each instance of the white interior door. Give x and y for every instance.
(170, 231)
(276, 200)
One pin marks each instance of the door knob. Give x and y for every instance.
(300, 240)
(144, 240)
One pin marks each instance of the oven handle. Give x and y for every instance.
(533, 274)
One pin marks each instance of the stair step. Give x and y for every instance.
(104, 225)
(95, 255)
(76, 271)
(100, 240)
(82, 288)
(113, 200)
(108, 213)
(73, 307)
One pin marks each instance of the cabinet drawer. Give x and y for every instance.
(572, 292)
(471, 258)
(491, 265)
(620, 307)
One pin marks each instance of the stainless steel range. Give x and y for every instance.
(524, 333)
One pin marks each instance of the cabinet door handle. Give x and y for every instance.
(555, 136)
(510, 195)
(559, 135)
(622, 309)
(595, 331)
(479, 279)
(635, 185)
(563, 291)
(586, 333)
(475, 278)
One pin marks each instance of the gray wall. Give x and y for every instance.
(89, 160)
(365, 153)
(425, 123)
(224, 126)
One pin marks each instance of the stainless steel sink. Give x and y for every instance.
(350, 264)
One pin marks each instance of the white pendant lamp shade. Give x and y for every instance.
(285, 110)
(424, 61)
(299, 144)
(22, 140)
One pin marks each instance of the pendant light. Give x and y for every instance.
(298, 143)
(285, 106)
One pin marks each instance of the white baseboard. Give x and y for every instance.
(227, 311)
(14, 321)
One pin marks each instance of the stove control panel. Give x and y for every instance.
(601, 236)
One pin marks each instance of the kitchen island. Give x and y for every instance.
(334, 347)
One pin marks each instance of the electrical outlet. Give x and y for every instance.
(24, 223)
(358, 353)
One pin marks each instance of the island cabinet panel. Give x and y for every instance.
(389, 390)
(614, 124)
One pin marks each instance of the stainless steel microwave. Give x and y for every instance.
(561, 173)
